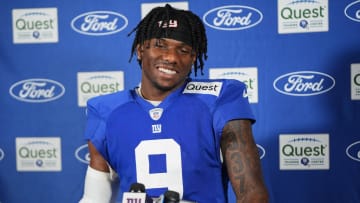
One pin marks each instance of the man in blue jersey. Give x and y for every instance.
(173, 132)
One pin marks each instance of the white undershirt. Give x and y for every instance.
(154, 103)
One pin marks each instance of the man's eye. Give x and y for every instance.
(185, 51)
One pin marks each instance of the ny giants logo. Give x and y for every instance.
(170, 23)
(304, 83)
(232, 17)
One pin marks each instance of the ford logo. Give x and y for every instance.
(37, 90)
(99, 23)
(261, 151)
(232, 17)
(353, 151)
(2, 154)
(352, 11)
(304, 83)
(82, 154)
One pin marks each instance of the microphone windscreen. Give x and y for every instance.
(171, 197)
(137, 187)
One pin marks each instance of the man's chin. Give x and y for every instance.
(168, 87)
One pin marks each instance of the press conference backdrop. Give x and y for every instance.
(300, 60)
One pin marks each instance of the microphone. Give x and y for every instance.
(136, 194)
(169, 197)
(137, 187)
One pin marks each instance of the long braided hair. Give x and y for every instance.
(146, 29)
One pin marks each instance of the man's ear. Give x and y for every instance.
(139, 51)
(194, 58)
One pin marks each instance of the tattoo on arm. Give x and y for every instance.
(242, 160)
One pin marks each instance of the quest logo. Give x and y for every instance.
(91, 84)
(352, 11)
(232, 17)
(212, 88)
(355, 81)
(304, 151)
(37, 90)
(38, 154)
(82, 154)
(98, 23)
(302, 16)
(304, 83)
(35, 25)
(353, 151)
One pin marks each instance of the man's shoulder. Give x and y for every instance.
(111, 100)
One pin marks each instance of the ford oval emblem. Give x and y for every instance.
(352, 11)
(232, 17)
(353, 151)
(99, 23)
(37, 90)
(82, 154)
(304, 83)
(261, 151)
(2, 154)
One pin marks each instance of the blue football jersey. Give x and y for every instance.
(172, 146)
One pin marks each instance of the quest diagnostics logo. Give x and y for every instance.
(247, 75)
(232, 17)
(304, 151)
(98, 23)
(91, 84)
(355, 81)
(299, 16)
(37, 25)
(304, 83)
(38, 154)
(37, 90)
(212, 88)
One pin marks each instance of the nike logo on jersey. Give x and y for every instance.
(212, 88)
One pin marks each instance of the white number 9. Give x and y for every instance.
(172, 178)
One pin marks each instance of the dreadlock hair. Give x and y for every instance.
(148, 28)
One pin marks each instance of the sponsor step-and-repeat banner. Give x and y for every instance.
(300, 60)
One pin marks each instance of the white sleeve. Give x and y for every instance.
(100, 187)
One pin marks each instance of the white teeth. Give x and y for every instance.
(167, 71)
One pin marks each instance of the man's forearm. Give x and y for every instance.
(242, 162)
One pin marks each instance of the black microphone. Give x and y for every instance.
(171, 197)
(137, 187)
(136, 194)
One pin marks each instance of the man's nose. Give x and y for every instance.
(171, 55)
